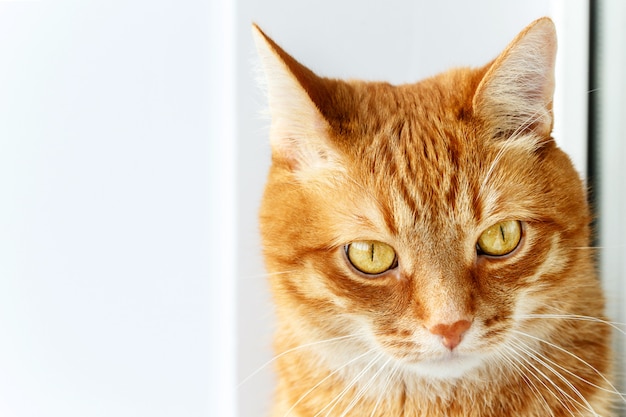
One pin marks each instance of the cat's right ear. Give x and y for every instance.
(299, 131)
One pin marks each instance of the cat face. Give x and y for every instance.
(424, 224)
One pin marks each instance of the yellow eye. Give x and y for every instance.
(501, 238)
(371, 257)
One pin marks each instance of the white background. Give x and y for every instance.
(611, 160)
(104, 214)
(132, 160)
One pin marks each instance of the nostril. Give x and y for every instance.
(451, 334)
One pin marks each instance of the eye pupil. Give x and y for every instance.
(371, 257)
(501, 238)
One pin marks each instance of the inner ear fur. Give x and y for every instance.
(515, 96)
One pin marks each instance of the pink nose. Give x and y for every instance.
(451, 334)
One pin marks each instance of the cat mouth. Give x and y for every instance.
(442, 358)
(451, 364)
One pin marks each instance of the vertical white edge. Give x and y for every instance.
(571, 18)
(223, 225)
(611, 116)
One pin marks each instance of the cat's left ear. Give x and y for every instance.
(516, 93)
(299, 130)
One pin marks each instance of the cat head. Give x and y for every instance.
(424, 222)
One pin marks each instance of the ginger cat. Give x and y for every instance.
(428, 245)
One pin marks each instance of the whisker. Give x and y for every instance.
(613, 389)
(266, 275)
(539, 354)
(525, 363)
(385, 387)
(304, 346)
(364, 389)
(614, 325)
(562, 394)
(333, 403)
(514, 361)
(303, 396)
(539, 357)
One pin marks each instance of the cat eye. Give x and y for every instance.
(371, 257)
(501, 238)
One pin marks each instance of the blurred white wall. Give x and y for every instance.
(611, 160)
(105, 279)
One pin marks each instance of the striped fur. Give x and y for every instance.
(426, 168)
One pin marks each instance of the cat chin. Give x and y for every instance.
(452, 366)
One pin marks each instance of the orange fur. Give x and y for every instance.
(426, 168)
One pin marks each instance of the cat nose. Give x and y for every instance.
(451, 334)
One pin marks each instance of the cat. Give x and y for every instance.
(427, 245)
